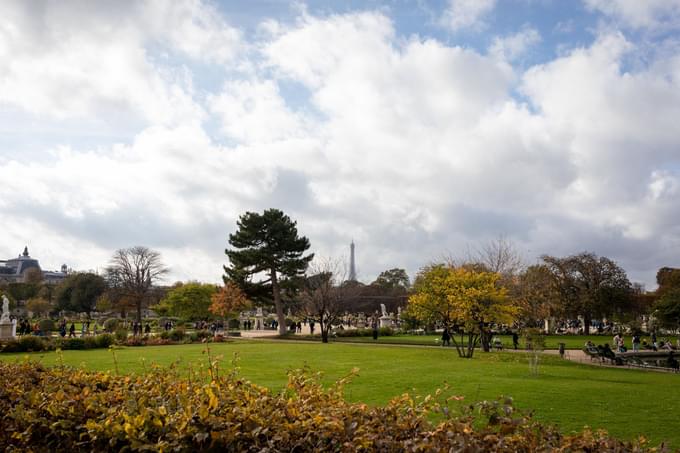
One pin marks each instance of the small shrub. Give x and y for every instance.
(121, 335)
(47, 326)
(90, 343)
(165, 335)
(27, 343)
(385, 332)
(104, 340)
(234, 324)
(71, 344)
(177, 334)
(111, 324)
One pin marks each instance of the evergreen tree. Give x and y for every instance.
(267, 254)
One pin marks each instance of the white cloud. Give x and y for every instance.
(516, 45)
(75, 59)
(662, 14)
(466, 14)
(254, 111)
(413, 147)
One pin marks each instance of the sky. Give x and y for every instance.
(419, 129)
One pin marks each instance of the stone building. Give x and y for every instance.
(16, 270)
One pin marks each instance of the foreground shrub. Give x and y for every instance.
(63, 409)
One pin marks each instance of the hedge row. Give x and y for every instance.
(382, 332)
(62, 409)
(31, 343)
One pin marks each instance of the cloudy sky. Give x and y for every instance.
(418, 128)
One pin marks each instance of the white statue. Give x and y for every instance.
(384, 310)
(259, 312)
(5, 309)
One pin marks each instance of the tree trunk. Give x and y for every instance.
(485, 337)
(324, 330)
(283, 328)
(139, 311)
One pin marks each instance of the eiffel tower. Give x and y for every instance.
(352, 267)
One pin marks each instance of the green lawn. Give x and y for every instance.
(626, 402)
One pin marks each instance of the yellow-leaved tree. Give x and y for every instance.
(463, 300)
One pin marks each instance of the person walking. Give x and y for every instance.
(72, 330)
(515, 340)
(446, 337)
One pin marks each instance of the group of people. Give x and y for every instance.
(137, 329)
(638, 343)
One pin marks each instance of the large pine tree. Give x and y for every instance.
(266, 252)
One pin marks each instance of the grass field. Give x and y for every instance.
(626, 402)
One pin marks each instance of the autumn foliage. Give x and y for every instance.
(229, 299)
(462, 299)
(62, 409)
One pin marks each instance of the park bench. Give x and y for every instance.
(593, 353)
(596, 353)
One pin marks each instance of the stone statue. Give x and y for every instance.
(384, 310)
(5, 309)
(259, 312)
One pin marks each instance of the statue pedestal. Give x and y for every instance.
(8, 330)
(386, 321)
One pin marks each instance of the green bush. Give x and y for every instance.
(165, 335)
(111, 324)
(177, 335)
(27, 343)
(47, 326)
(104, 340)
(382, 332)
(121, 335)
(234, 324)
(65, 409)
(71, 343)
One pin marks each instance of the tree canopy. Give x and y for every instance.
(267, 254)
(190, 301)
(131, 275)
(228, 300)
(393, 278)
(590, 286)
(466, 300)
(79, 292)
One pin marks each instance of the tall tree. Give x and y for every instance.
(325, 294)
(79, 292)
(466, 300)
(534, 292)
(189, 301)
(267, 254)
(590, 286)
(393, 278)
(132, 273)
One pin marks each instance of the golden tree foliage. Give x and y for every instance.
(229, 299)
(462, 298)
